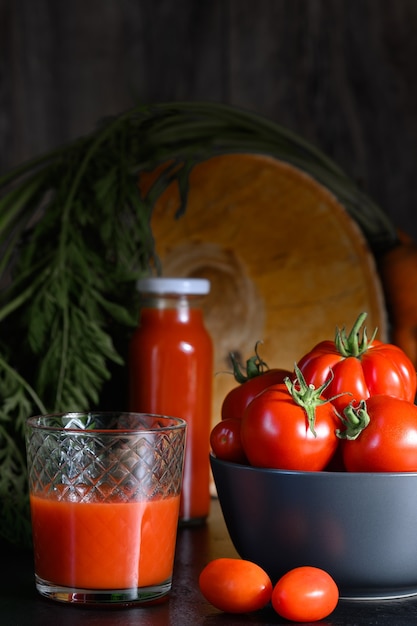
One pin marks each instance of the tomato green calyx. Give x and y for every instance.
(355, 420)
(307, 396)
(255, 366)
(353, 344)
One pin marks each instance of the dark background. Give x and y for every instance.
(340, 73)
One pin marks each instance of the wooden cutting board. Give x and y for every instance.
(287, 264)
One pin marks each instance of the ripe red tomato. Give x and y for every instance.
(305, 594)
(386, 436)
(361, 368)
(236, 401)
(252, 379)
(290, 426)
(226, 440)
(235, 585)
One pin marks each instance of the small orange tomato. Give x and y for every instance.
(305, 594)
(235, 585)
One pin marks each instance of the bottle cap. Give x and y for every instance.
(180, 286)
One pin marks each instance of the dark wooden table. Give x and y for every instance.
(20, 605)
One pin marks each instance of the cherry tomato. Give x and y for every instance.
(238, 398)
(290, 427)
(305, 594)
(235, 585)
(385, 436)
(361, 368)
(226, 441)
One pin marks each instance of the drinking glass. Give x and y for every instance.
(104, 494)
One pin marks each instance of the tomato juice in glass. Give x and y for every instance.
(104, 545)
(104, 496)
(171, 372)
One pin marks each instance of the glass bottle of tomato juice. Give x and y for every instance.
(171, 373)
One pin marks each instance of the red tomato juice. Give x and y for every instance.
(104, 545)
(171, 361)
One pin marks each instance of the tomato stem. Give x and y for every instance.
(352, 344)
(307, 396)
(255, 366)
(355, 420)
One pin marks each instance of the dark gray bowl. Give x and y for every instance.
(361, 528)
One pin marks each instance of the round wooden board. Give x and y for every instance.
(286, 262)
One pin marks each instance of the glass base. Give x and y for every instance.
(104, 597)
(192, 521)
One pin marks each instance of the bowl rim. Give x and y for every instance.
(286, 472)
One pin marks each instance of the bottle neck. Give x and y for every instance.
(178, 309)
(168, 301)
